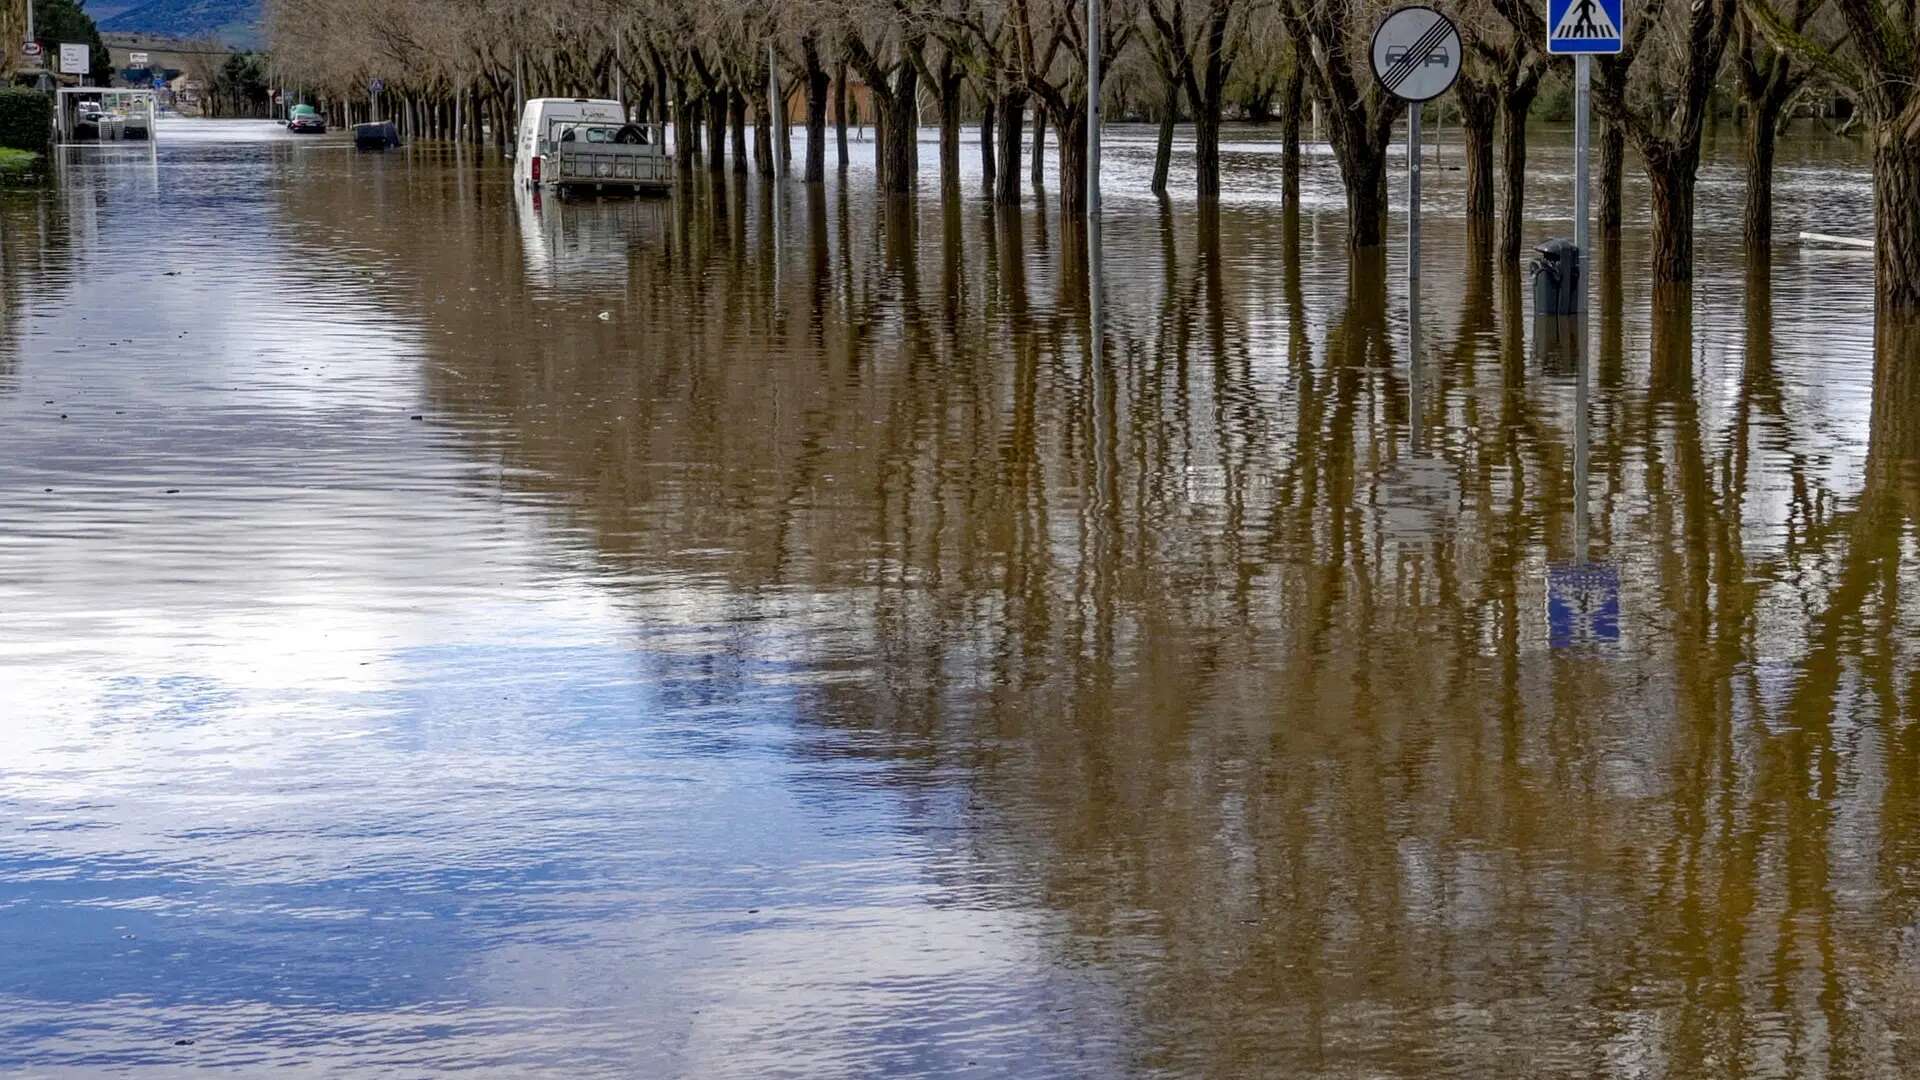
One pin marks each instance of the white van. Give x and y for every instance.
(588, 143)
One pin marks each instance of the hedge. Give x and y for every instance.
(26, 119)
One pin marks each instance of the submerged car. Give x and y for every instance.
(306, 120)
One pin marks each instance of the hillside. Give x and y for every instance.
(236, 22)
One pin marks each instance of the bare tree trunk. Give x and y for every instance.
(840, 112)
(737, 122)
(818, 83)
(1514, 105)
(1478, 113)
(1763, 126)
(1896, 206)
(717, 129)
(988, 173)
(1292, 109)
(1613, 177)
(1366, 180)
(1039, 164)
(1206, 91)
(900, 133)
(1163, 145)
(1206, 150)
(949, 103)
(1672, 180)
(1012, 107)
(764, 126)
(1072, 137)
(685, 132)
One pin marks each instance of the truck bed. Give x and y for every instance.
(610, 164)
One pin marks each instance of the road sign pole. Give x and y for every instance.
(1093, 108)
(776, 114)
(1413, 193)
(1582, 80)
(40, 80)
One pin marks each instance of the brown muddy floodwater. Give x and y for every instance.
(746, 636)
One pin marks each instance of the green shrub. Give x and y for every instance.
(26, 119)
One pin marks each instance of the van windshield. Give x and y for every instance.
(599, 133)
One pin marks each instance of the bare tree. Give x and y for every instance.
(1360, 114)
(1880, 70)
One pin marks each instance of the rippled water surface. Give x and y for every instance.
(739, 635)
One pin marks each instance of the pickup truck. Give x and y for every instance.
(589, 144)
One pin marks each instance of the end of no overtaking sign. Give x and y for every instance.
(1416, 53)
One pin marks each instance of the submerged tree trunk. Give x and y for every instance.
(1763, 126)
(1514, 105)
(1163, 145)
(1672, 179)
(684, 128)
(1206, 95)
(1896, 206)
(818, 83)
(1613, 177)
(764, 126)
(1292, 110)
(1479, 110)
(1071, 133)
(1366, 182)
(717, 129)
(899, 132)
(1012, 108)
(737, 122)
(1206, 151)
(987, 171)
(840, 113)
(1039, 147)
(949, 104)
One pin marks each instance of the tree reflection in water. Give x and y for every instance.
(1298, 763)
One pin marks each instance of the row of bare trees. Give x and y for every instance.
(459, 68)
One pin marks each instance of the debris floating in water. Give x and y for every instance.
(1836, 241)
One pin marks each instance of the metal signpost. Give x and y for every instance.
(1093, 108)
(1416, 57)
(1581, 28)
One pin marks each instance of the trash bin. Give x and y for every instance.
(1557, 285)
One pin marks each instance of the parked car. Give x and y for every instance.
(306, 120)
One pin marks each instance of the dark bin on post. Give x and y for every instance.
(1557, 284)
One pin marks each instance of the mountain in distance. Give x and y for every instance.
(234, 22)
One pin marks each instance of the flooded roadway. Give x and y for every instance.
(709, 637)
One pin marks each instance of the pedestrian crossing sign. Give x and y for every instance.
(1584, 26)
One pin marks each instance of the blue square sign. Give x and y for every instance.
(1584, 26)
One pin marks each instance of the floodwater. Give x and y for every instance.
(729, 636)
